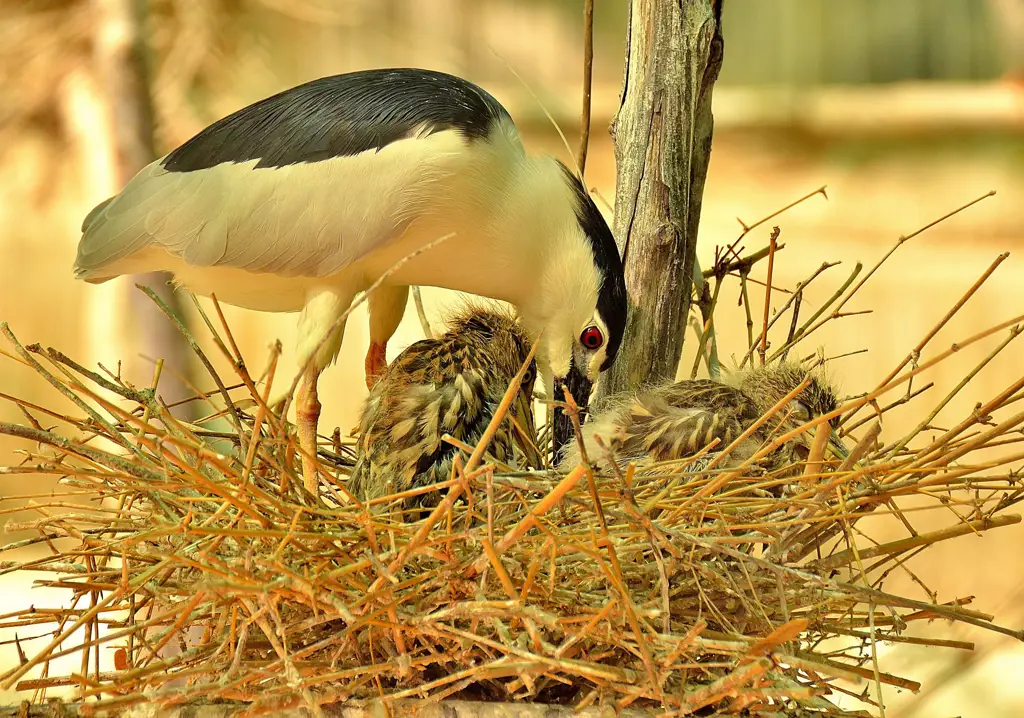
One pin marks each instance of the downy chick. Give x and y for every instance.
(677, 420)
(448, 385)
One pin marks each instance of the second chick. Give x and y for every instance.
(677, 420)
(449, 385)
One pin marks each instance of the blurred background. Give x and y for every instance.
(905, 110)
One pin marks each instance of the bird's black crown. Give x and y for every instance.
(612, 300)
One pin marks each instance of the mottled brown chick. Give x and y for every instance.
(448, 385)
(676, 420)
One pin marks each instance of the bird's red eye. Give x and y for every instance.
(592, 338)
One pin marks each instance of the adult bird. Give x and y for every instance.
(449, 385)
(677, 420)
(301, 201)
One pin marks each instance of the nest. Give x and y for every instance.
(198, 569)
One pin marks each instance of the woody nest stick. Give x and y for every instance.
(197, 568)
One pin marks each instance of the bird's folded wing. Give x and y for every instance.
(302, 183)
(306, 219)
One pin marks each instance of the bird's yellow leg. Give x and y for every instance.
(307, 414)
(321, 328)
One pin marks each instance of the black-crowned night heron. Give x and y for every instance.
(301, 201)
(677, 420)
(448, 385)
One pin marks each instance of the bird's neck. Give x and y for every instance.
(515, 231)
(503, 219)
(535, 225)
(555, 278)
(515, 238)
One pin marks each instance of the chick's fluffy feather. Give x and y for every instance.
(448, 385)
(677, 420)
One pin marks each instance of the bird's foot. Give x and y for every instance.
(376, 362)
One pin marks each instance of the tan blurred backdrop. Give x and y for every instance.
(904, 110)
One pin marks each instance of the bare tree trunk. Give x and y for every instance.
(662, 135)
(120, 55)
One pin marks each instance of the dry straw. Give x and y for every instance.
(208, 572)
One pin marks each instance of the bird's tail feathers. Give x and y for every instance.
(122, 225)
(94, 214)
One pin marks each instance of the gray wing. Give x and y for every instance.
(293, 184)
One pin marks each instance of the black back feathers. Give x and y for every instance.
(341, 115)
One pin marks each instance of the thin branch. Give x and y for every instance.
(417, 299)
(747, 228)
(588, 78)
(768, 293)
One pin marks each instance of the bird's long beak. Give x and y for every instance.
(525, 431)
(579, 387)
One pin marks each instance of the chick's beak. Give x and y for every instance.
(525, 431)
(579, 387)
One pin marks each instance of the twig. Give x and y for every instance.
(768, 293)
(340, 321)
(798, 296)
(795, 298)
(916, 352)
(895, 547)
(745, 298)
(776, 213)
(588, 75)
(742, 265)
(417, 299)
(1014, 332)
(802, 333)
(809, 326)
(236, 422)
(707, 305)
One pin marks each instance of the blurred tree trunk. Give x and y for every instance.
(662, 135)
(1007, 17)
(121, 67)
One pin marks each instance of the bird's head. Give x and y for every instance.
(503, 344)
(580, 307)
(769, 384)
